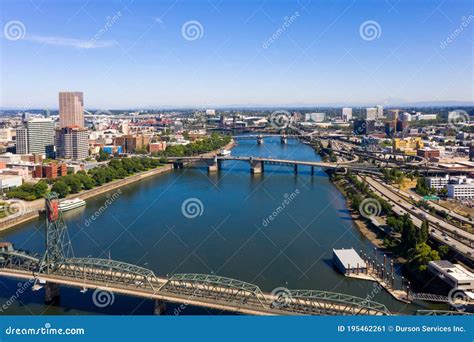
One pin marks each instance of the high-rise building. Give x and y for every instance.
(371, 113)
(346, 114)
(21, 141)
(72, 143)
(392, 114)
(379, 111)
(71, 109)
(36, 137)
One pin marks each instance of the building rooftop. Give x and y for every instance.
(455, 271)
(349, 257)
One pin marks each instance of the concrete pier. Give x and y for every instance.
(256, 166)
(160, 307)
(51, 293)
(214, 165)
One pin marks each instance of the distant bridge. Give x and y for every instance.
(257, 164)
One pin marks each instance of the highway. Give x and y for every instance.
(435, 206)
(438, 229)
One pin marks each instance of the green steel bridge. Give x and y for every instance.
(58, 267)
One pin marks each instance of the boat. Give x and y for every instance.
(224, 152)
(66, 205)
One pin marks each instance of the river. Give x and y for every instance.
(231, 235)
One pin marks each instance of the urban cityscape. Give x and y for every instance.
(193, 197)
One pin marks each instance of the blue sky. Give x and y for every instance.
(322, 56)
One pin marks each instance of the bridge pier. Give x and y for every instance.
(284, 139)
(256, 166)
(178, 165)
(259, 140)
(51, 293)
(160, 307)
(214, 165)
(296, 169)
(312, 170)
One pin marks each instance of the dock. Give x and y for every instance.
(353, 265)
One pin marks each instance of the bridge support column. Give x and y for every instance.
(296, 169)
(284, 139)
(51, 293)
(178, 165)
(259, 140)
(160, 307)
(256, 166)
(214, 165)
(312, 170)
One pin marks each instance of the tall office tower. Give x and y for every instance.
(392, 114)
(36, 137)
(379, 111)
(371, 113)
(346, 114)
(71, 109)
(21, 141)
(72, 143)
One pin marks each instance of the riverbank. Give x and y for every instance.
(360, 223)
(33, 208)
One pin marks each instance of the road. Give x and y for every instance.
(437, 226)
(435, 206)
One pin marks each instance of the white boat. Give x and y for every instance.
(224, 152)
(66, 205)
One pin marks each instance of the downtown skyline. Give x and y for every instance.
(169, 54)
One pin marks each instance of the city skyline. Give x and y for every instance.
(178, 55)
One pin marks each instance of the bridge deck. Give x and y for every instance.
(204, 294)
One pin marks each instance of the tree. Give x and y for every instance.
(443, 250)
(424, 254)
(73, 182)
(60, 188)
(103, 156)
(423, 232)
(40, 189)
(409, 234)
(86, 180)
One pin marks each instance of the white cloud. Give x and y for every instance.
(71, 42)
